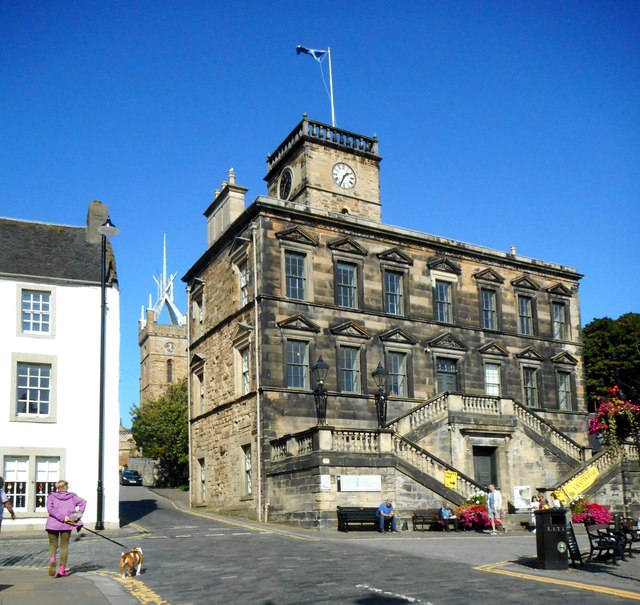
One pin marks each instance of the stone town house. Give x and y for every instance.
(482, 349)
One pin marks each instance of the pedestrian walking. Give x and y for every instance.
(65, 511)
(494, 506)
(5, 503)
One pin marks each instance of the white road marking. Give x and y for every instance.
(394, 595)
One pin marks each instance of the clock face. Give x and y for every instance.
(169, 347)
(344, 176)
(285, 184)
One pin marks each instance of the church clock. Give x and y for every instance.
(285, 184)
(344, 176)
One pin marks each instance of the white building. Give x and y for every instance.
(50, 311)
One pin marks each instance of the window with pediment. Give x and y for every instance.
(296, 249)
(394, 264)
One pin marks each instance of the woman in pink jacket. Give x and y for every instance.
(65, 510)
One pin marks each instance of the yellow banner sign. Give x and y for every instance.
(576, 486)
(450, 479)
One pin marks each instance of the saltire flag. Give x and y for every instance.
(316, 54)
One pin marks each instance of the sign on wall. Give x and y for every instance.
(325, 483)
(360, 483)
(522, 498)
(450, 479)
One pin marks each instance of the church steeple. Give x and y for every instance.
(165, 295)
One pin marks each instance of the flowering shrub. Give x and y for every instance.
(615, 419)
(583, 511)
(473, 513)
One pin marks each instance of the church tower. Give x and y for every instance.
(328, 168)
(163, 347)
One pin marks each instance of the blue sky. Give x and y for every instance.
(500, 123)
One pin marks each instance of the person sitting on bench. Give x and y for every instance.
(448, 516)
(386, 512)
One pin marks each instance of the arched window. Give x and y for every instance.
(170, 371)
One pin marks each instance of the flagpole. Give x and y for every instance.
(333, 111)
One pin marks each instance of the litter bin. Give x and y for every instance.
(551, 538)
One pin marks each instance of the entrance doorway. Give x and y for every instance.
(485, 464)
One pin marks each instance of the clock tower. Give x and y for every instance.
(163, 347)
(321, 166)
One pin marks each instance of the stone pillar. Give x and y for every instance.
(385, 444)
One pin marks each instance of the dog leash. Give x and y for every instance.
(105, 537)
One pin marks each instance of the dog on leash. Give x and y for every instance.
(131, 561)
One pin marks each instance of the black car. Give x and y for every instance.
(130, 477)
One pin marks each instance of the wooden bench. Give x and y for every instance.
(602, 541)
(363, 516)
(427, 518)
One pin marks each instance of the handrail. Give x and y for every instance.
(603, 461)
(563, 442)
(421, 410)
(422, 460)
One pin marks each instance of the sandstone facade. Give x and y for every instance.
(482, 350)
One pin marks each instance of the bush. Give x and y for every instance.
(583, 511)
(473, 513)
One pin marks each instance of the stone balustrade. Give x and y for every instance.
(325, 133)
(432, 466)
(604, 460)
(558, 439)
(330, 439)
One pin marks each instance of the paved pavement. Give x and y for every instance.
(197, 557)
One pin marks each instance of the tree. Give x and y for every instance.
(612, 356)
(160, 429)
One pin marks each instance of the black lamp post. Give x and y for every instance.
(108, 229)
(380, 377)
(319, 370)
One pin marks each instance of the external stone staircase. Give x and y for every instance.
(432, 414)
(606, 462)
(395, 446)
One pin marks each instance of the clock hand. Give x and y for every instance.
(344, 176)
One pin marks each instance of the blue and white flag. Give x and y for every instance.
(316, 54)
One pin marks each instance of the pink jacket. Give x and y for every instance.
(61, 505)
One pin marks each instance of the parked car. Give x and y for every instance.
(130, 477)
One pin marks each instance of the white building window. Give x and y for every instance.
(34, 389)
(47, 475)
(16, 481)
(36, 312)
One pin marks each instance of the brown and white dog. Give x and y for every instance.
(130, 561)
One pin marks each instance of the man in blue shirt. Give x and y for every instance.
(386, 512)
